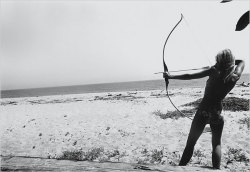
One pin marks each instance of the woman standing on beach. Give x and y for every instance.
(222, 78)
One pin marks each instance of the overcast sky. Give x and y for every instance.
(56, 43)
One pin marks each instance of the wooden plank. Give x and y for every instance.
(41, 164)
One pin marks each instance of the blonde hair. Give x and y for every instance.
(225, 59)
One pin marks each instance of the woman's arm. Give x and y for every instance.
(205, 72)
(235, 76)
(239, 68)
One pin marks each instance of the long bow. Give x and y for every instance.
(166, 68)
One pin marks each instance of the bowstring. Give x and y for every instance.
(176, 107)
(197, 42)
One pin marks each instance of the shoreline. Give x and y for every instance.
(109, 87)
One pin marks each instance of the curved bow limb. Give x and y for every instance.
(166, 68)
(164, 63)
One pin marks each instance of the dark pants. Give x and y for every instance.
(199, 122)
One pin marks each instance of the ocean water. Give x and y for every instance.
(110, 87)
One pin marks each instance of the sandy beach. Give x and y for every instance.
(139, 127)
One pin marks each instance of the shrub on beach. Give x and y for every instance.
(245, 121)
(92, 154)
(236, 155)
(229, 103)
(199, 157)
(174, 114)
(158, 156)
(236, 104)
(78, 155)
(163, 115)
(74, 155)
